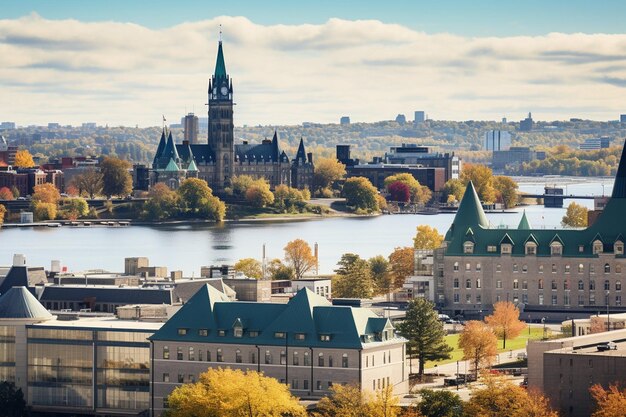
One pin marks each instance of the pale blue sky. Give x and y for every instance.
(463, 17)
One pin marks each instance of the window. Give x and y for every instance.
(567, 269)
(607, 285)
(554, 268)
(182, 332)
(618, 285)
(325, 337)
(607, 268)
(581, 285)
(191, 378)
(540, 299)
(279, 335)
(524, 269)
(592, 285)
(320, 360)
(283, 357)
(505, 248)
(498, 268)
(192, 355)
(299, 336)
(524, 285)
(592, 269)
(581, 268)
(344, 360)
(219, 356)
(540, 284)
(515, 269)
(237, 331)
(531, 248)
(541, 269)
(307, 359)
(268, 357)
(491, 248)
(468, 283)
(556, 249)
(456, 283)
(566, 284)
(208, 356)
(479, 267)
(296, 359)
(525, 298)
(478, 298)
(166, 352)
(319, 385)
(468, 298)
(618, 300)
(330, 361)
(592, 299)
(566, 301)
(456, 297)
(598, 247)
(553, 285)
(252, 356)
(554, 299)
(166, 377)
(238, 358)
(515, 284)
(253, 333)
(468, 266)
(499, 283)
(294, 384)
(618, 269)
(203, 332)
(305, 384)
(468, 247)
(456, 266)
(181, 378)
(179, 353)
(221, 333)
(478, 283)
(581, 248)
(581, 300)
(618, 248)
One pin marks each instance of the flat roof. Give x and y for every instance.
(593, 350)
(101, 323)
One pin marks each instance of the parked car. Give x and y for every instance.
(606, 346)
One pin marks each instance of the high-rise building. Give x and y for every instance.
(420, 116)
(497, 140)
(622, 118)
(190, 126)
(526, 125)
(345, 120)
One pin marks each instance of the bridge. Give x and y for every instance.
(570, 196)
(17, 205)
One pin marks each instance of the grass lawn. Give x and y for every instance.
(513, 344)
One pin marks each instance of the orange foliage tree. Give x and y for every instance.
(299, 256)
(23, 159)
(479, 344)
(402, 262)
(6, 194)
(610, 402)
(505, 321)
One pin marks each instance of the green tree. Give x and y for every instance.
(575, 216)
(162, 203)
(482, 178)
(440, 403)
(506, 191)
(76, 207)
(288, 199)
(327, 171)
(424, 332)
(89, 182)
(381, 274)
(44, 211)
(116, 178)
(250, 267)
(198, 200)
(454, 188)
(353, 278)
(427, 238)
(360, 195)
(279, 271)
(12, 403)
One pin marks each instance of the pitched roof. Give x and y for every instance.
(160, 148)
(220, 66)
(16, 277)
(470, 212)
(169, 151)
(524, 224)
(126, 295)
(301, 154)
(619, 187)
(19, 303)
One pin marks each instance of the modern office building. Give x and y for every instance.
(565, 272)
(596, 143)
(514, 156)
(497, 140)
(420, 116)
(190, 127)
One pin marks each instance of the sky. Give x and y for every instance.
(130, 62)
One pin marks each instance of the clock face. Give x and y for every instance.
(224, 90)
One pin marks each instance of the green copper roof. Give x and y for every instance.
(470, 212)
(171, 166)
(220, 66)
(524, 224)
(192, 166)
(619, 187)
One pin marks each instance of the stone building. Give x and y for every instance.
(218, 160)
(563, 272)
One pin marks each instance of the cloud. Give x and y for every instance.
(124, 73)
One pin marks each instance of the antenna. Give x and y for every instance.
(220, 33)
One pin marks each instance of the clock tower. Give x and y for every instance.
(221, 127)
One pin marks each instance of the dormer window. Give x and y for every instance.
(182, 331)
(531, 248)
(598, 247)
(556, 249)
(237, 331)
(619, 248)
(468, 247)
(325, 338)
(506, 248)
(299, 336)
(279, 335)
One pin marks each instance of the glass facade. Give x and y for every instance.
(7, 353)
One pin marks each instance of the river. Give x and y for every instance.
(187, 247)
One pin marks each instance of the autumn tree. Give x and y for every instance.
(505, 321)
(575, 216)
(419, 193)
(23, 159)
(116, 178)
(239, 184)
(439, 403)
(289, 199)
(197, 200)
(402, 262)
(506, 191)
(277, 270)
(353, 278)
(162, 203)
(233, 393)
(327, 171)
(250, 267)
(360, 195)
(609, 402)
(424, 332)
(351, 401)
(299, 256)
(453, 190)
(46, 193)
(399, 191)
(89, 182)
(427, 237)
(384, 403)
(479, 344)
(482, 178)
(73, 208)
(3, 212)
(380, 271)
(258, 193)
(6, 194)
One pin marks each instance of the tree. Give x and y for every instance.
(380, 270)
(197, 199)
(116, 178)
(12, 403)
(233, 393)
(505, 321)
(419, 193)
(23, 159)
(479, 344)
(482, 178)
(89, 182)
(506, 190)
(299, 256)
(44, 211)
(427, 238)
(279, 271)
(424, 332)
(440, 403)
(454, 188)
(288, 198)
(3, 212)
(402, 261)
(399, 192)
(250, 267)
(609, 402)
(6, 194)
(353, 279)
(360, 195)
(163, 203)
(344, 401)
(258, 194)
(46, 193)
(384, 403)
(575, 216)
(73, 208)
(327, 171)
(239, 185)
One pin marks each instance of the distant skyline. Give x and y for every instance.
(127, 63)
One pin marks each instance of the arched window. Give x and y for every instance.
(238, 356)
(618, 285)
(479, 266)
(581, 268)
(540, 284)
(468, 283)
(592, 285)
(320, 359)
(566, 284)
(581, 285)
(515, 284)
(607, 268)
(553, 285)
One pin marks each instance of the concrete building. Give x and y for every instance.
(401, 119)
(307, 343)
(622, 118)
(514, 156)
(527, 124)
(565, 369)
(422, 283)
(563, 273)
(497, 140)
(190, 126)
(320, 286)
(596, 143)
(420, 116)
(345, 120)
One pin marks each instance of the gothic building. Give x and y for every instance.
(220, 158)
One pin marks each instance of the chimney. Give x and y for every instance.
(19, 259)
(310, 157)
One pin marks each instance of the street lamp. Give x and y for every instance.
(457, 375)
(608, 314)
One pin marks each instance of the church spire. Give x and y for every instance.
(619, 187)
(220, 66)
(301, 154)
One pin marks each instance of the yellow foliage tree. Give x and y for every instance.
(250, 267)
(575, 216)
(23, 159)
(479, 344)
(402, 261)
(427, 237)
(351, 401)
(609, 402)
(327, 171)
(233, 393)
(299, 257)
(506, 191)
(45, 211)
(482, 178)
(258, 194)
(3, 212)
(505, 321)
(46, 193)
